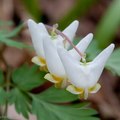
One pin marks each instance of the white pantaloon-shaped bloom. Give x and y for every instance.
(38, 31)
(84, 77)
(57, 73)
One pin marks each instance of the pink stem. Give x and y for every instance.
(64, 36)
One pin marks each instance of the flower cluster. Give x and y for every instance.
(67, 68)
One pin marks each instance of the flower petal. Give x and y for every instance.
(81, 46)
(50, 78)
(62, 84)
(59, 82)
(58, 41)
(70, 31)
(97, 65)
(43, 28)
(39, 61)
(77, 74)
(37, 37)
(105, 54)
(73, 90)
(95, 88)
(53, 61)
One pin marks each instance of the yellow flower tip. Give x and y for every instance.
(83, 93)
(42, 60)
(74, 90)
(58, 81)
(62, 82)
(58, 85)
(50, 78)
(95, 88)
(53, 78)
(43, 68)
(56, 78)
(39, 61)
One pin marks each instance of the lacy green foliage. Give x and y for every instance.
(3, 96)
(20, 100)
(108, 25)
(2, 92)
(46, 110)
(26, 78)
(45, 104)
(61, 96)
(6, 38)
(42, 104)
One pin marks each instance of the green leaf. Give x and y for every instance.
(46, 111)
(3, 96)
(27, 78)
(21, 102)
(3, 118)
(14, 32)
(1, 78)
(113, 63)
(2, 33)
(13, 43)
(108, 25)
(53, 94)
(6, 35)
(81, 105)
(6, 23)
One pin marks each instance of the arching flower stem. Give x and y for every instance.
(66, 38)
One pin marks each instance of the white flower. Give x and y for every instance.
(57, 73)
(38, 31)
(84, 77)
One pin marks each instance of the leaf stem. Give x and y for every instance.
(8, 75)
(7, 79)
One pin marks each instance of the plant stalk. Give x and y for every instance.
(8, 75)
